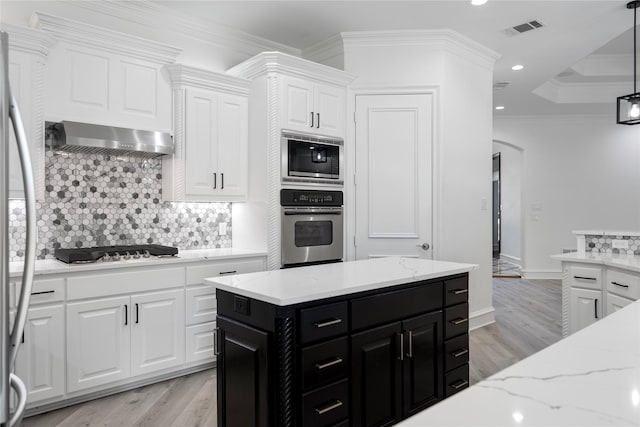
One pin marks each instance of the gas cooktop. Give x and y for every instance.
(113, 253)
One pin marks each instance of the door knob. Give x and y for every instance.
(424, 246)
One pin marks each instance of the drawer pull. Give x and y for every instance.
(459, 321)
(458, 385)
(327, 323)
(459, 353)
(330, 407)
(335, 361)
(584, 278)
(459, 291)
(222, 273)
(53, 292)
(613, 283)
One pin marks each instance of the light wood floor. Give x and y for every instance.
(528, 319)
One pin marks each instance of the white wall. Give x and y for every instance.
(463, 139)
(510, 194)
(580, 173)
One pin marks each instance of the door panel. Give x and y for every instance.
(298, 104)
(393, 175)
(232, 146)
(329, 110)
(586, 307)
(201, 144)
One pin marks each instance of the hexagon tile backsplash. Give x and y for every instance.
(99, 200)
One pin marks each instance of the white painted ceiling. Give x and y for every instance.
(573, 30)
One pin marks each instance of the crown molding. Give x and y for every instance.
(154, 15)
(325, 50)
(582, 92)
(267, 62)
(29, 40)
(183, 76)
(94, 37)
(444, 39)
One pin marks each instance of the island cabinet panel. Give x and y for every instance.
(369, 358)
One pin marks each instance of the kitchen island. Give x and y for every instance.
(358, 343)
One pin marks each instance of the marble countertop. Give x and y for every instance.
(627, 262)
(302, 284)
(53, 266)
(591, 378)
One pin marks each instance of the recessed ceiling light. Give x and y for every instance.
(500, 107)
(517, 67)
(478, 2)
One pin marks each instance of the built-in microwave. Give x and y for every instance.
(312, 159)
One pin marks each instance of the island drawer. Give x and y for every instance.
(456, 320)
(456, 380)
(395, 305)
(585, 277)
(326, 406)
(456, 352)
(623, 284)
(325, 321)
(324, 363)
(456, 291)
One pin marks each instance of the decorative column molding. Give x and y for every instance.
(273, 171)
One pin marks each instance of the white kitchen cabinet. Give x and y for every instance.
(98, 342)
(200, 348)
(313, 107)
(41, 362)
(201, 305)
(586, 307)
(615, 303)
(211, 136)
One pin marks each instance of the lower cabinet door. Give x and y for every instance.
(615, 303)
(585, 308)
(158, 333)
(40, 362)
(98, 342)
(423, 362)
(376, 370)
(243, 364)
(200, 343)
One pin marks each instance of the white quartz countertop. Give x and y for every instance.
(53, 266)
(627, 262)
(302, 284)
(590, 378)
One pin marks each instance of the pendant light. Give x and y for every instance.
(629, 105)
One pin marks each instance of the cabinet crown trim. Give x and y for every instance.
(29, 40)
(182, 75)
(267, 62)
(94, 37)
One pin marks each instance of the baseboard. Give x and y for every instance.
(481, 318)
(541, 274)
(511, 259)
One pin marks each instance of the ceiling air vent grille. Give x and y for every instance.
(523, 28)
(500, 85)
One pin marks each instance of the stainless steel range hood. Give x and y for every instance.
(97, 139)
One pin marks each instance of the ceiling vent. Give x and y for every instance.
(500, 85)
(523, 28)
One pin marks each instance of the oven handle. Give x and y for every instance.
(314, 212)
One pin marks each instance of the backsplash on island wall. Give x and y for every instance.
(99, 200)
(604, 244)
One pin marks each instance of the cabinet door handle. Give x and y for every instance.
(312, 119)
(400, 353)
(410, 343)
(459, 291)
(325, 365)
(126, 315)
(23, 337)
(327, 323)
(596, 307)
(460, 352)
(318, 124)
(584, 278)
(459, 321)
(222, 273)
(137, 314)
(52, 292)
(613, 283)
(330, 407)
(458, 385)
(215, 180)
(222, 180)
(215, 342)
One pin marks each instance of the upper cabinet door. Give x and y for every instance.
(233, 126)
(297, 100)
(201, 176)
(329, 110)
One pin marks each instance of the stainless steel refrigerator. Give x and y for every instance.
(11, 329)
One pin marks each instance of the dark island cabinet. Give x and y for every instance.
(370, 358)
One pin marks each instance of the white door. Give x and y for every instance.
(157, 340)
(615, 303)
(98, 342)
(201, 143)
(40, 361)
(393, 175)
(329, 110)
(585, 308)
(297, 99)
(232, 161)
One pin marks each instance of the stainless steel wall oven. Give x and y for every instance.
(312, 159)
(312, 226)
